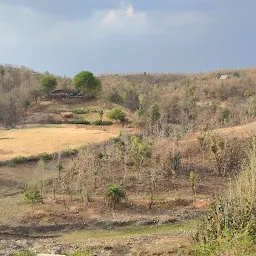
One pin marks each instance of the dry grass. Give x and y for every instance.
(33, 141)
(91, 236)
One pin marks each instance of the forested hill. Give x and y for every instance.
(183, 101)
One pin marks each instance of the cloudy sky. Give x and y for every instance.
(113, 36)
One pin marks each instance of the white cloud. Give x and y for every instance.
(124, 19)
(130, 11)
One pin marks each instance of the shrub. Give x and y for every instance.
(69, 152)
(230, 228)
(80, 111)
(19, 160)
(45, 156)
(32, 193)
(114, 194)
(116, 114)
(194, 180)
(98, 122)
(80, 121)
(24, 253)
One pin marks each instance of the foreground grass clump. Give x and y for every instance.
(230, 229)
(24, 253)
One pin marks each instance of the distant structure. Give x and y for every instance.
(64, 93)
(222, 77)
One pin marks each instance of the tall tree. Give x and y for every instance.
(48, 83)
(86, 83)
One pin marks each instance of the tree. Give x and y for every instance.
(48, 83)
(86, 83)
(194, 180)
(114, 194)
(32, 195)
(116, 114)
(155, 115)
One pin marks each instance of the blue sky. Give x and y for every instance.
(113, 36)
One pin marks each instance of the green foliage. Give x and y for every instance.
(86, 83)
(142, 147)
(98, 122)
(24, 253)
(26, 104)
(116, 114)
(194, 181)
(32, 194)
(154, 113)
(176, 161)
(238, 243)
(139, 113)
(225, 114)
(45, 156)
(249, 93)
(236, 74)
(19, 160)
(80, 121)
(80, 111)
(48, 83)
(114, 194)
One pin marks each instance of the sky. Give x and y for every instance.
(128, 36)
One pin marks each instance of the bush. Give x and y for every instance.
(98, 122)
(19, 160)
(116, 114)
(230, 228)
(114, 194)
(80, 111)
(32, 194)
(80, 121)
(69, 152)
(45, 156)
(24, 253)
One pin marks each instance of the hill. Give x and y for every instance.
(137, 186)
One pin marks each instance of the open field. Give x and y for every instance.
(33, 141)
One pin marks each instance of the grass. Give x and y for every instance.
(85, 236)
(11, 207)
(34, 141)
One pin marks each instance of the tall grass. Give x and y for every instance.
(230, 228)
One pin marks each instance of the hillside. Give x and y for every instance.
(133, 186)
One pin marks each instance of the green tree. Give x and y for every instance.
(116, 114)
(114, 194)
(32, 195)
(86, 83)
(155, 115)
(194, 180)
(48, 83)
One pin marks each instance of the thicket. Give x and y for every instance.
(184, 102)
(19, 87)
(230, 228)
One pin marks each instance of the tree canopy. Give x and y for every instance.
(86, 83)
(48, 83)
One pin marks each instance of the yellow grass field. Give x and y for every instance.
(33, 141)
